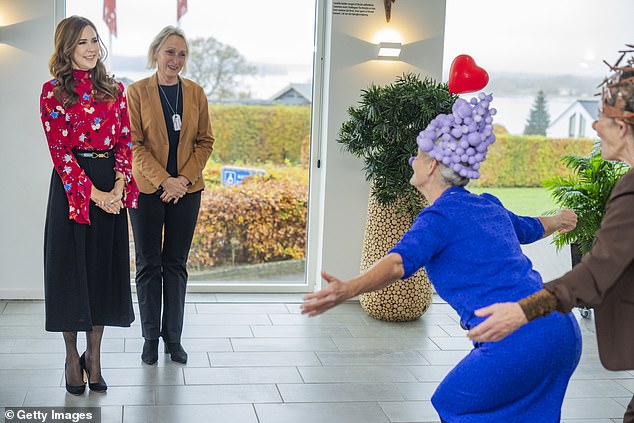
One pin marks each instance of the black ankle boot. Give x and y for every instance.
(150, 351)
(176, 351)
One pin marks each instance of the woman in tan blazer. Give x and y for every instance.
(171, 142)
(604, 279)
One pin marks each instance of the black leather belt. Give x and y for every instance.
(94, 154)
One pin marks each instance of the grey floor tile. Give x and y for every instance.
(591, 408)
(217, 394)
(596, 388)
(429, 373)
(446, 358)
(12, 396)
(391, 331)
(372, 358)
(216, 331)
(117, 395)
(410, 411)
(24, 307)
(241, 375)
(228, 319)
(246, 358)
(392, 344)
(284, 358)
(241, 308)
(356, 374)
(339, 392)
(419, 391)
(260, 298)
(364, 412)
(453, 343)
(300, 331)
(145, 376)
(594, 370)
(6, 345)
(24, 378)
(234, 413)
(323, 319)
(589, 421)
(283, 344)
(22, 319)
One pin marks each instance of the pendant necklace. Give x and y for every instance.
(176, 118)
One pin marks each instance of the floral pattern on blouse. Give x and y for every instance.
(87, 125)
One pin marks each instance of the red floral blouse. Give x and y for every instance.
(87, 125)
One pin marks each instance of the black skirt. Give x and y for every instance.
(86, 267)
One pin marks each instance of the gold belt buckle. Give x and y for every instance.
(103, 155)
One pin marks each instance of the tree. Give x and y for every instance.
(539, 119)
(217, 67)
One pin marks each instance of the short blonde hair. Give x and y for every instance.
(158, 42)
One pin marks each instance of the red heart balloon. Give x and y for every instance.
(465, 76)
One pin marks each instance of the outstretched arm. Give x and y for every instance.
(382, 273)
(565, 220)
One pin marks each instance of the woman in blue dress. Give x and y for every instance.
(470, 246)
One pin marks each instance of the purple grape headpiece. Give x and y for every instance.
(460, 140)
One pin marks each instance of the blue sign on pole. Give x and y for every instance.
(233, 175)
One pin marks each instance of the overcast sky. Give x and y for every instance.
(528, 36)
(539, 36)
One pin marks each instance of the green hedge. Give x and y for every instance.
(260, 134)
(525, 161)
(261, 220)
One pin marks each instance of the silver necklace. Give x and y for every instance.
(176, 118)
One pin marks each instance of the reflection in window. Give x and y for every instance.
(572, 123)
(582, 126)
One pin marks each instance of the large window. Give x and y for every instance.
(252, 227)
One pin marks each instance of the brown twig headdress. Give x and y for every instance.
(617, 94)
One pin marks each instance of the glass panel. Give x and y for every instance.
(582, 126)
(572, 123)
(256, 65)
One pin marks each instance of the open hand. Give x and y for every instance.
(318, 302)
(504, 318)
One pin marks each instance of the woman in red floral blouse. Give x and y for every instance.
(86, 249)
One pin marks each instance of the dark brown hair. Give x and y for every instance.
(67, 35)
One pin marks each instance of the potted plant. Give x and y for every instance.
(382, 130)
(585, 191)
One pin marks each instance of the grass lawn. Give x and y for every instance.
(522, 201)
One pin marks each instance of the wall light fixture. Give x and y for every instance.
(389, 51)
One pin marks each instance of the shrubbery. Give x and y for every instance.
(525, 161)
(261, 220)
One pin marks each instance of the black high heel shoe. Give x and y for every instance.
(100, 386)
(71, 389)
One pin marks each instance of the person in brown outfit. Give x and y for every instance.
(604, 279)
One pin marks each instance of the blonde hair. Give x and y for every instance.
(60, 65)
(158, 42)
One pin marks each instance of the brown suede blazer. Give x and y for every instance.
(150, 145)
(605, 280)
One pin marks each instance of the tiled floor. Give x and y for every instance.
(254, 358)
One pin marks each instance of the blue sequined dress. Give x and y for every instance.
(470, 246)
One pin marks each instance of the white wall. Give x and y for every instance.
(350, 66)
(26, 42)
